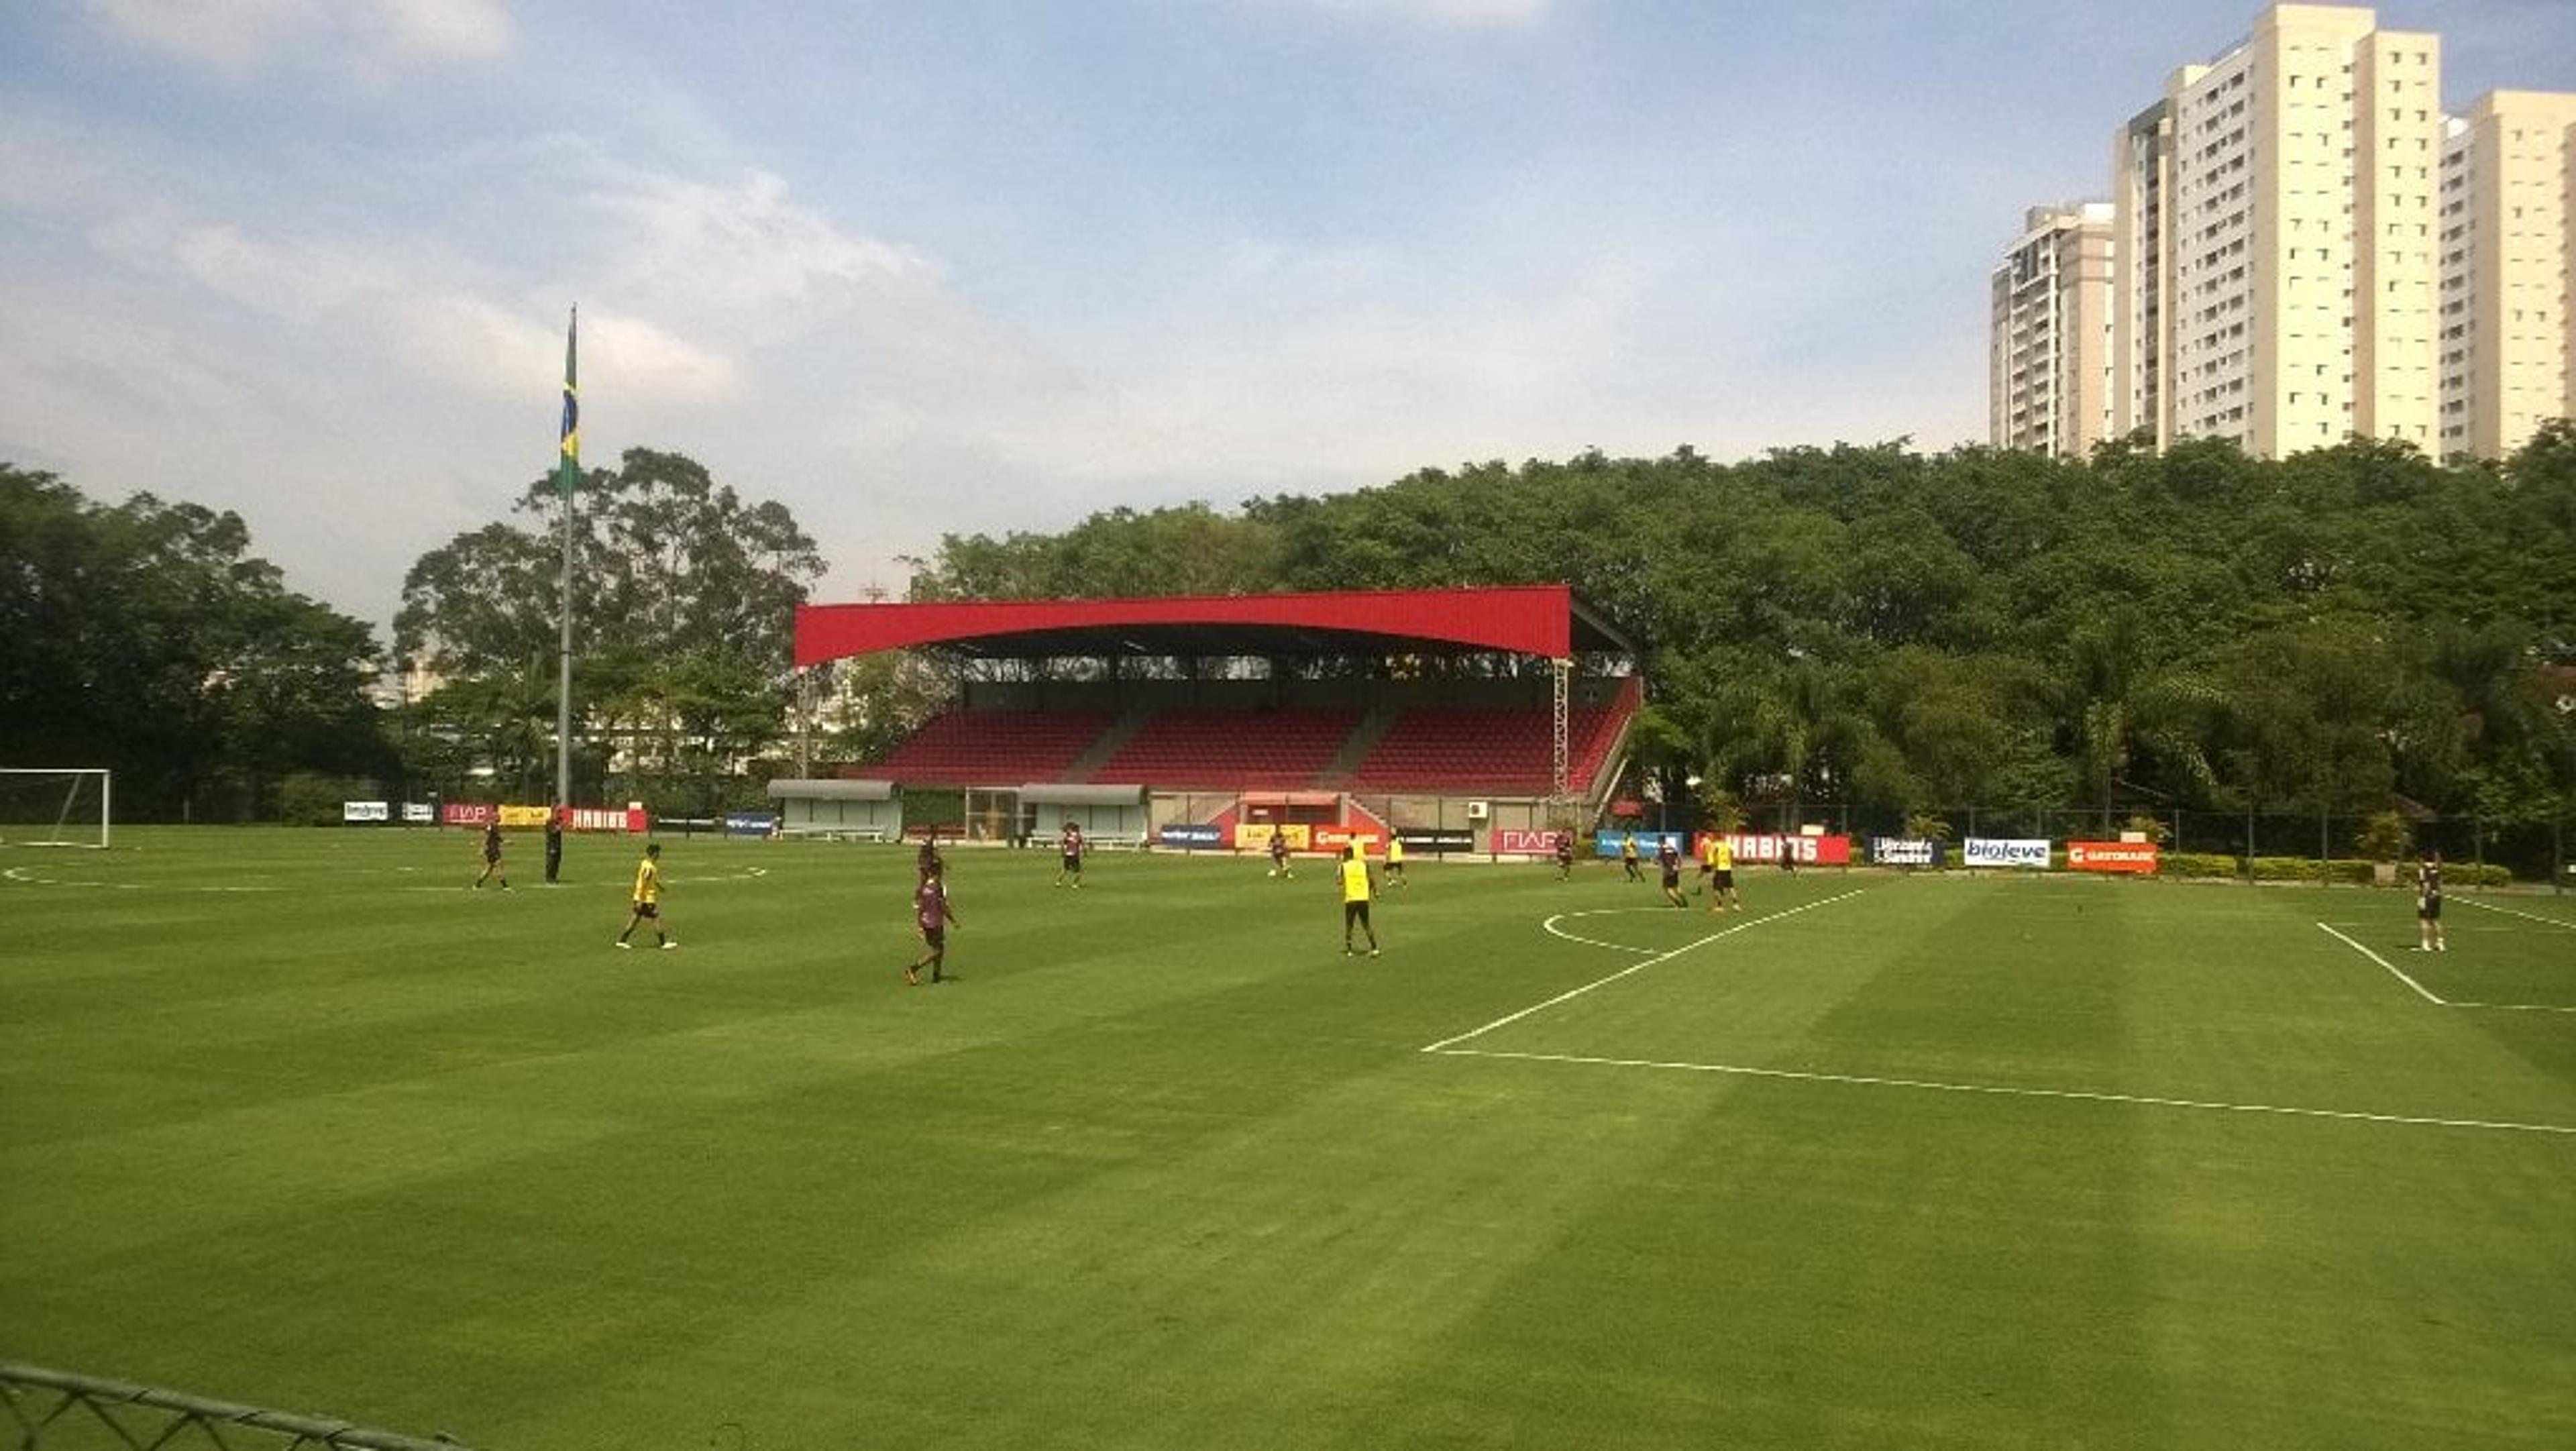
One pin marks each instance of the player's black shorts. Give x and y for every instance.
(1355, 912)
(1724, 878)
(2430, 910)
(937, 937)
(1072, 862)
(1672, 876)
(648, 909)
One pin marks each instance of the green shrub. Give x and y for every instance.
(2198, 864)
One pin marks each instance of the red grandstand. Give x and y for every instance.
(1449, 712)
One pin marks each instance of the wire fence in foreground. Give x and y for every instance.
(52, 1410)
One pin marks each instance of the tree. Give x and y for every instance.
(145, 637)
(684, 600)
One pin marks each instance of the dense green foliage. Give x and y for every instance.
(145, 638)
(2192, 629)
(684, 596)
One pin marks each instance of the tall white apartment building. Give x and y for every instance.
(2275, 240)
(2049, 369)
(2508, 272)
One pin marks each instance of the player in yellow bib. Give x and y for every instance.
(1355, 898)
(648, 898)
(1721, 873)
(1394, 862)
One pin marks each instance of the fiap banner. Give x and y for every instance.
(1991, 851)
(2112, 856)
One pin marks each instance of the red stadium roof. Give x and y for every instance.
(1536, 619)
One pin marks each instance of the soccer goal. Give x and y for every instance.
(65, 806)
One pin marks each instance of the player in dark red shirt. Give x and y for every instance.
(931, 915)
(1070, 844)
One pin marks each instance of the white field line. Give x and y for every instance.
(1552, 929)
(1633, 968)
(2004, 1091)
(2420, 990)
(2447, 1002)
(2511, 912)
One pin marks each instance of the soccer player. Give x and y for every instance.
(1668, 860)
(1070, 845)
(554, 841)
(648, 899)
(1628, 858)
(2428, 903)
(1721, 872)
(492, 855)
(1394, 861)
(931, 915)
(1564, 855)
(1279, 854)
(1355, 898)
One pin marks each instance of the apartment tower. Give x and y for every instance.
(2050, 343)
(2508, 272)
(2274, 239)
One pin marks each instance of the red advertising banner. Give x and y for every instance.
(1762, 849)
(2111, 856)
(1334, 838)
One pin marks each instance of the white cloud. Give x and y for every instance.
(1457, 14)
(246, 35)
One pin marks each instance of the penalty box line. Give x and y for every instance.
(2430, 996)
(1447, 1044)
(2000, 1090)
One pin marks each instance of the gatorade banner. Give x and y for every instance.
(2112, 856)
(1334, 838)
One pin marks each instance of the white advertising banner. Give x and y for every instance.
(1891, 851)
(365, 811)
(2001, 851)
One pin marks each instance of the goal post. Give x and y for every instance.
(55, 805)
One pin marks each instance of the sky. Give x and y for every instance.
(923, 267)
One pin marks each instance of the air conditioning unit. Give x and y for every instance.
(1479, 810)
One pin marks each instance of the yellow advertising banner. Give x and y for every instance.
(1255, 835)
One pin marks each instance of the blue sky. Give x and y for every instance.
(983, 265)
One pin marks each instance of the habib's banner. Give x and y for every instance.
(1762, 849)
(1994, 851)
(2112, 856)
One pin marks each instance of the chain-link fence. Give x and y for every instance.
(52, 1410)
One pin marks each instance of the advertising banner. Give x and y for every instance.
(581, 818)
(748, 823)
(1333, 838)
(1512, 840)
(1436, 840)
(1606, 844)
(1191, 838)
(1996, 851)
(1891, 851)
(419, 813)
(2112, 856)
(366, 811)
(465, 813)
(1255, 835)
(529, 818)
(1761, 849)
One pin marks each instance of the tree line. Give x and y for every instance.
(2337, 632)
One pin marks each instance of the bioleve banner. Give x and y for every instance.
(2000, 851)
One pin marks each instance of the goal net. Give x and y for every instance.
(53, 806)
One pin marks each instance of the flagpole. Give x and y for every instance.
(567, 476)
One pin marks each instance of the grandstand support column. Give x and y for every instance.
(1557, 712)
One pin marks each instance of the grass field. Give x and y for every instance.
(294, 1119)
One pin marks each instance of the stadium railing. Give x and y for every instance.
(56, 1408)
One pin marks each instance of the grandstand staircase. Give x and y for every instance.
(1363, 739)
(1097, 754)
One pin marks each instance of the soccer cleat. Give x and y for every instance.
(624, 946)
(670, 946)
(1372, 952)
(911, 978)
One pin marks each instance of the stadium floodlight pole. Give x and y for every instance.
(567, 478)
